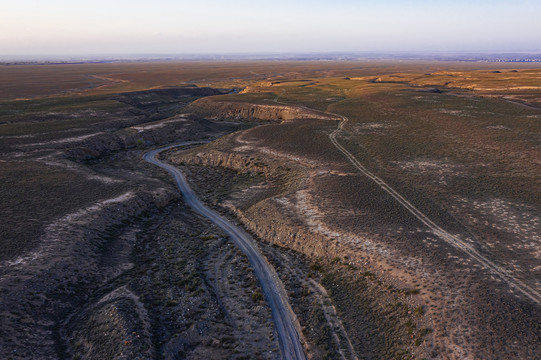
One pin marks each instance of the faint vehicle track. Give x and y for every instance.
(454, 241)
(531, 293)
(339, 333)
(287, 326)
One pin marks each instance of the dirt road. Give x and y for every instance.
(286, 323)
(531, 293)
(454, 241)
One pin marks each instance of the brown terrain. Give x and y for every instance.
(399, 204)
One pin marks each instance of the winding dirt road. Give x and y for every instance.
(287, 326)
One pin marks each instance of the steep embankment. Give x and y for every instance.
(227, 110)
(383, 267)
(276, 211)
(78, 253)
(286, 323)
(268, 211)
(159, 132)
(154, 120)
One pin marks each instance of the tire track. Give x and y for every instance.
(454, 241)
(286, 324)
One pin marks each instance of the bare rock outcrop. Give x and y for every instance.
(242, 110)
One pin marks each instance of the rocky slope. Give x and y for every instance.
(106, 276)
(229, 110)
(268, 209)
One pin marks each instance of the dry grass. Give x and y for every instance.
(30, 81)
(464, 157)
(434, 148)
(34, 194)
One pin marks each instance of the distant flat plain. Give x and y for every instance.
(46, 80)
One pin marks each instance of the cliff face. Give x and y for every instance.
(237, 162)
(239, 110)
(144, 134)
(272, 211)
(382, 257)
(153, 117)
(265, 217)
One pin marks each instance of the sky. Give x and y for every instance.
(62, 27)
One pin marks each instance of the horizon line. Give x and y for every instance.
(275, 55)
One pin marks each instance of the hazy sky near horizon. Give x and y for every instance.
(62, 27)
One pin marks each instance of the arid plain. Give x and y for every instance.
(398, 202)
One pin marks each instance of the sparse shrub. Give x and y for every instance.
(257, 296)
(419, 310)
(316, 266)
(409, 291)
(368, 274)
(421, 336)
(405, 309)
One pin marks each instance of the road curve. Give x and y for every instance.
(286, 323)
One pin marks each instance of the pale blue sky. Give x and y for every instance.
(62, 27)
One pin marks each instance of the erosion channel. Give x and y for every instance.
(286, 324)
